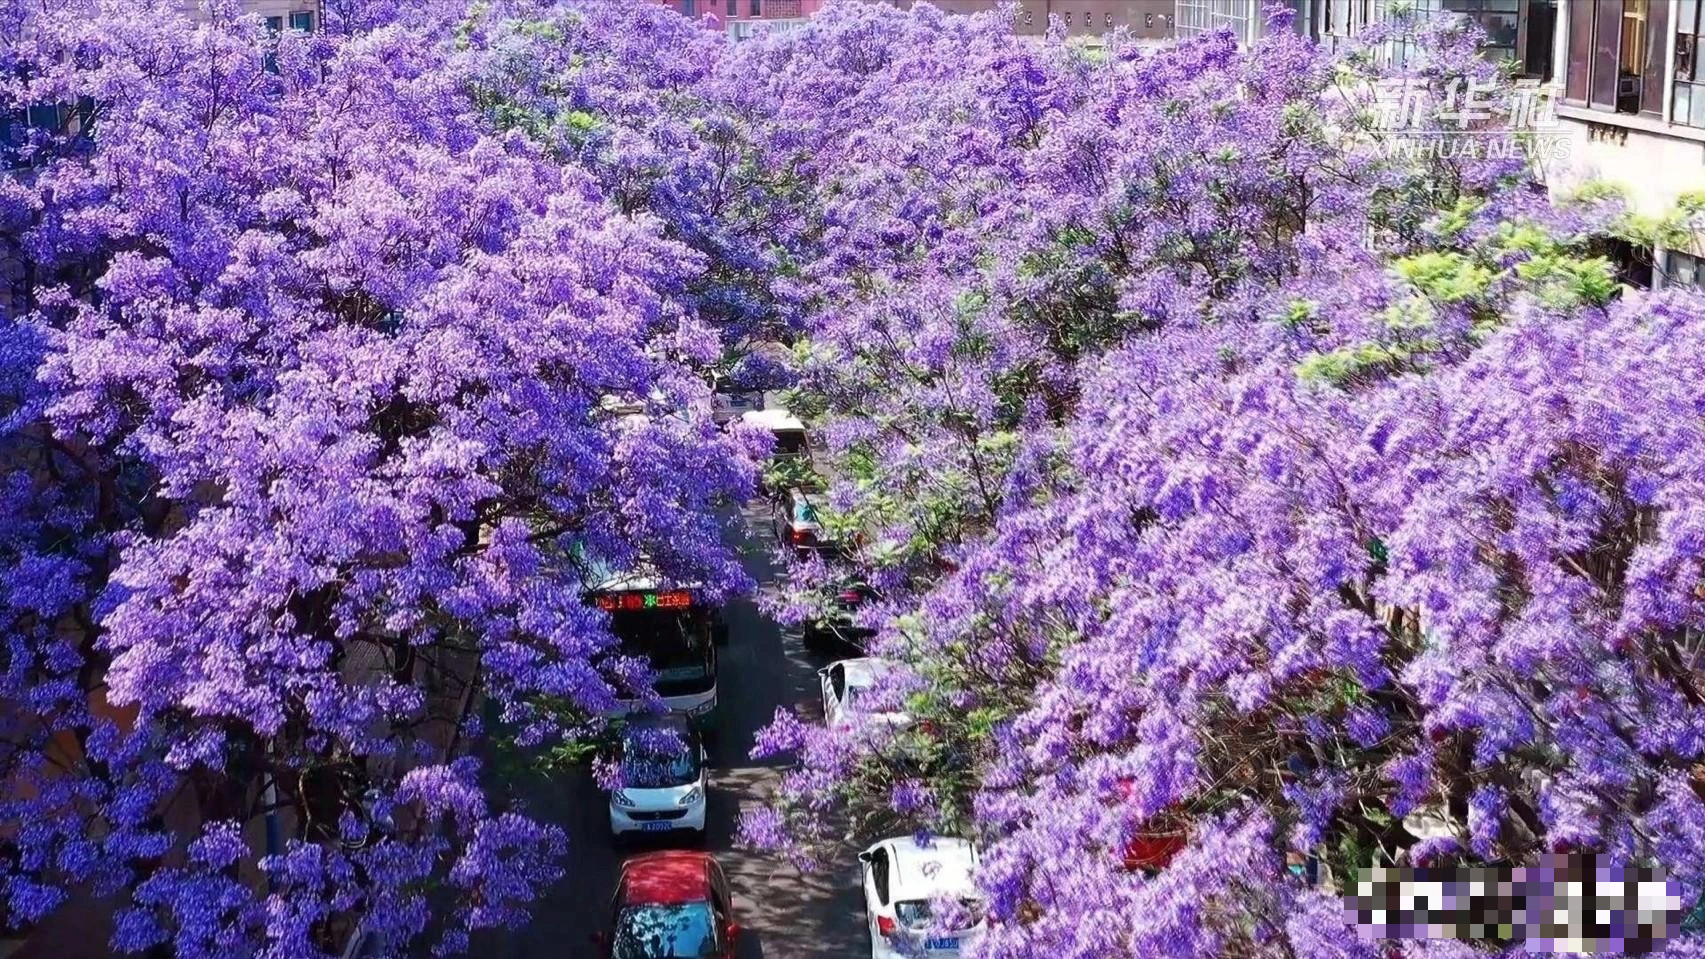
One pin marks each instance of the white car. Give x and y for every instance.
(663, 779)
(788, 430)
(901, 878)
(848, 682)
(730, 405)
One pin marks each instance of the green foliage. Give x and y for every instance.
(1563, 281)
(1454, 221)
(1343, 366)
(791, 472)
(1595, 191)
(1415, 313)
(1448, 277)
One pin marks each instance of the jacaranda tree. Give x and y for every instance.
(306, 430)
(1235, 484)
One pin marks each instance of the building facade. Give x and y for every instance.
(1633, 111)
(1518, 30)
(745, 18)
(1143, 19)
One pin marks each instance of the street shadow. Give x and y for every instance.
(750, 946)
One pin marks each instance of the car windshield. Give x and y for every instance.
(685, 931)
(659, 758)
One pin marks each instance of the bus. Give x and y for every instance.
(674, 629)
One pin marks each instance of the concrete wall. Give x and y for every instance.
(1653, 167)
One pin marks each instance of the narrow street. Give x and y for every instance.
(786, 915)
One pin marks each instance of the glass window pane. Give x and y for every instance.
(1500, 29)
(1681, 102)
(1686, 16)
(1682, 269)
(1696, 116)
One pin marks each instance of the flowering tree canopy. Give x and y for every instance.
(1234, 485)
(1237, 485)
(305, 424)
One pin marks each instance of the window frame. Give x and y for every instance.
(1682, 107)
(1595, 75)
(1671, 272)
(1477, 11)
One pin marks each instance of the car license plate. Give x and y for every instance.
(942, 943)
(656, 826)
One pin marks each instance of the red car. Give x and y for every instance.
(1153, 849)
(672, 905)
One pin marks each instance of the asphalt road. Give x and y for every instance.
(785, 915)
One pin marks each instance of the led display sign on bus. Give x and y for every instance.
(674, 599)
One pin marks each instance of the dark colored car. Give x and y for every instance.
(839, 628)
(671, 905)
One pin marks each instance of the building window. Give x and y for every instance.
(1518, 30)
(1499, 18)
(1689, 72)
(1613, 65)
(1631, 58)
(1541, 26)
(274, 27)
(687, 8)
(1344, 18)
(1148, 20)
(734, 8)
(1683, 269)
(756, 9)
(1242, 18)
(302, 21)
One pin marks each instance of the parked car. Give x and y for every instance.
(730, 405)
(901, 877)
(839, 625)
(795, 521)
(846, 686)
(670, 905)
(791, 455)
(1163, 838)
(663, 779)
